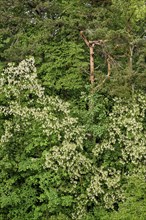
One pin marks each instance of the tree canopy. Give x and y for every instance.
(69, 149)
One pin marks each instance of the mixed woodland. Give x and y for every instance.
(72, 148)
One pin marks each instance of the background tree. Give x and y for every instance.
(49, 30)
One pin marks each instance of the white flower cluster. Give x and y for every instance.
(69, 158)
(17, 79)
(51, 113)
(7, 134)
(104, 185)
(127, 131)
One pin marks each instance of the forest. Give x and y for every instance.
(72, 109)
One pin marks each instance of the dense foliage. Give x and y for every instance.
(69, 151)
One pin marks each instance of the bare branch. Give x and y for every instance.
(84, 38)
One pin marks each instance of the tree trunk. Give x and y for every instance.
(92, 64)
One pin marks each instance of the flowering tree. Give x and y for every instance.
(46, 171)
(127, 131)
(33, 128)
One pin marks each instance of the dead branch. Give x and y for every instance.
(84, 38)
